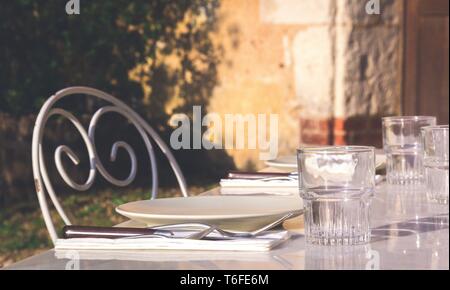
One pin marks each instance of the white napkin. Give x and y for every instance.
(262, 243)
(283, 183)
(165, 256)
(282, 191)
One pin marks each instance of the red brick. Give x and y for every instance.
(353, 131)
(315, 139)
(315, 124)
(339, 125)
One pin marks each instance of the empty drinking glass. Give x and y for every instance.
(403, 147)
(436, 147)
(337, 185)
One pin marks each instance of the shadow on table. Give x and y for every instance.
(410, 227)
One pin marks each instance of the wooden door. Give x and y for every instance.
(425, 87)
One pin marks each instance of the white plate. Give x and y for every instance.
(236, 213)
(290, 161)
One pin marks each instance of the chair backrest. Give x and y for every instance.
(41, 179)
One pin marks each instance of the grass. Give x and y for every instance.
(23, 232)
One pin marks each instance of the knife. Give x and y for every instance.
(259, 175)
(71, 232)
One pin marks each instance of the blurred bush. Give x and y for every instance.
(157, 56)
(145, 52)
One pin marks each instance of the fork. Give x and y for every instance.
(195, 236)
(280, 178)
(229, 234)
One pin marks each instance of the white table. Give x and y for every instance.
(408, 233)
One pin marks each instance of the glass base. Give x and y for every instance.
(437, 180)
(339, 241)
(404, 168)
(402, 180)
(337, 222)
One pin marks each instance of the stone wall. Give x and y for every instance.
(327, 67)
(368, 70)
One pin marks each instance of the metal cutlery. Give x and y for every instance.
(194, 236)
(260, 175)
(166, 231)
(71, 232)
(261, 230)
(229, 234)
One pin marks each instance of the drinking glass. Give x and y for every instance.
(337, 185)
(436, 147)
(402, 144)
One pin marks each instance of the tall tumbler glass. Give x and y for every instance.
(436, 147)
(337, 185)
(402, 144)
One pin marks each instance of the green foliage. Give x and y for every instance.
(43, 50)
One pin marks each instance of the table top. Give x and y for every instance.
(408, 232)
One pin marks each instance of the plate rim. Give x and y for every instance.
(209, 217)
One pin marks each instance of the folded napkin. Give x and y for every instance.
(259, 183)
(287, 185)
(165, 256)
(245, 183)
(283, 191)
(262, 243)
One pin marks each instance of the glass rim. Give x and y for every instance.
(336, 149)
(437, 127)
(400, 119)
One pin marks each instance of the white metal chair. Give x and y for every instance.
(41, 179)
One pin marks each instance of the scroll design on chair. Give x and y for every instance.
(42, 181)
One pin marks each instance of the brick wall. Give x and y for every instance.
(329, 69)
